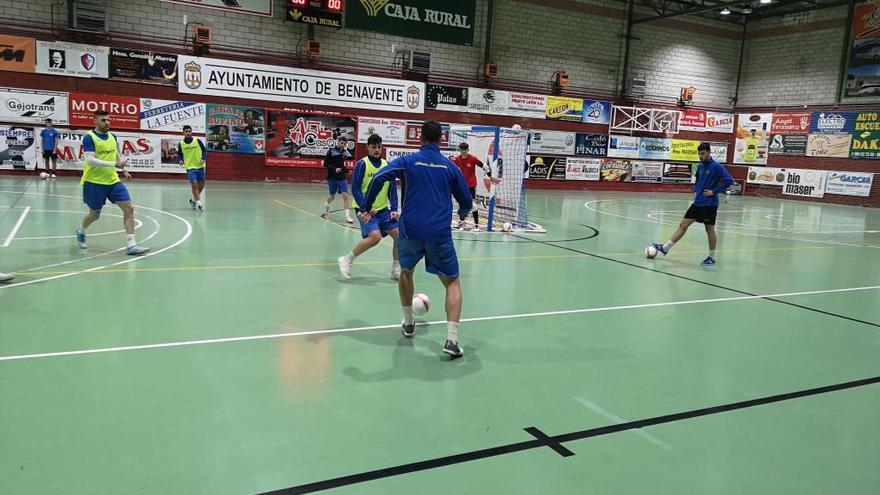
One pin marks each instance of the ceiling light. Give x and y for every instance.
(765, 2)
(725, 11)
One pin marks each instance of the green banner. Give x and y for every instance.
(448, 22)
(865, 145)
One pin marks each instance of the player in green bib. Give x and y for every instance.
(384, 211)
(192, 155)
(100, 182)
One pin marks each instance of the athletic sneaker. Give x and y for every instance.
(136, 250)
(324, 216)
(458, 225)
(348, 220)
(453, 349)
(200, 207)
(344, 266)
(709, 261)
(659, 247)
(6, 277)
(476, 228)
(409, 330)
(192, 203)
(52, 176)
(81, 238)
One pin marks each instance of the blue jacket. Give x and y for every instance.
(336, 159)
(710, 175)
(357, 179)
(429, 180)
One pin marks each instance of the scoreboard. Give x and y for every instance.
(319, 12)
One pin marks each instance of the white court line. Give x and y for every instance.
(16, 227)
(331, 331)
(607, 415)
(130, 260)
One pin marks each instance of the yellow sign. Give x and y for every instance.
(562, 108)
(684, 150)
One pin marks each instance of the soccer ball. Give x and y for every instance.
(650, 252)
(421, 304)
(516, 127)
(507, 227)
(44, 175)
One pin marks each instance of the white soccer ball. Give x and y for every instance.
(508, 227)
(516, 127)
(421, 304)
(650, 252)
(44, 175)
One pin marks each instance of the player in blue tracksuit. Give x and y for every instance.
(712, 179)
(429, 180)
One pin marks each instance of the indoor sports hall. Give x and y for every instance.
(213, 342)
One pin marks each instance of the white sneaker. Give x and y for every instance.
(6, 277)
(458, 225)
(53, 176)
(476, 228)
(200, 206)
(348, 220)
(344, 267)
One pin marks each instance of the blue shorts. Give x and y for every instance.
(381, 222)
(95, 195)
(337, 186)
(440, 257)
(196, 175)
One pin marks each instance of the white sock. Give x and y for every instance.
(395, 265)
(348, 215)
(408, 315)
(669, 245)
(130, 240)
(326, 207)
(712, 253)
(199, 203)
(350, 256)
(452, 331)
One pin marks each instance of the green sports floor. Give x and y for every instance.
(233, 360)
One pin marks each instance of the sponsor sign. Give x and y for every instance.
(526, 105)
(72, 59)
(677, 173)
(393, 153)
(33, 107)
(718, 152)
(685, 150)
(692, 120)
(556, 142)
(752, 138)
(17, 54)
(152, 153)
(302, 140)
(448, 22)
(414, 134)
(647, 172)
(768, 176)
(865, 144)
(564, 108)
(656, 148)
(790, 123)
(125, 111)
(623, 146)
(832, 122)
(392, 131)
(788, 144)
(225, 78)
(719, 122)
(492, 101)
(577, 168)
(449, 98)
(255, 7)
(829, 145)
(171, 115)
(808, 183)
(234, 129)
(143, 66)
(848, 183)
(616, 170)
(546, 167)
(317, 12)
(591, 144)
(18, 148)
(596, 112)
(867, 121)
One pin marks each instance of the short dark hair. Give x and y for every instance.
(463, 146)
(374, 139)
(48, 121)
(704, 146)
(342, 138)
(187, 128)
(432, 132)
(101, 113)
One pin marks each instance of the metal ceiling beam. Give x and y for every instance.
(782, 8)
(696, 10)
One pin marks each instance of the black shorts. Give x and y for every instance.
(702, 214)
(473, 191)
(50, 154)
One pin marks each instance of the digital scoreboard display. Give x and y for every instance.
(318, 12)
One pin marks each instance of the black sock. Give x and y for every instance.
(476, 218)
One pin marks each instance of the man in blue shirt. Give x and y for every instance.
(334, 162)
(429, 180)
(712, 179)
(49, 140)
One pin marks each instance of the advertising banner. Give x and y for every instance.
(152, 153)
(546, 167)
(235, 129)
(591, 144)
(526, 105)
(577, 168)
(137, 65)
(414, 134)
(392, 153)
(719, 122)
(655, 148)
(17, 54)
(556, 142)
(867, 121)
(865, 144)
(564, 108)
(829, 145)
(449, 98)
(788, 144)
(596, 112)
(832, 122)
(172, 115)
(808, 183)
(752, 138)
(72, 59)
(848, 183)
(623, 146)
(718, 152)
(692, 120)
(33, 107)
(616, 170)
(125, 111)
(647, 172)
(302, 140)
(18, 149)
(768, 176)
(447, 22)
(686, 150)
(790, 123)
(215, 77)
(392, 131)
(255, 7)
(677, 173)
(491, 101)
